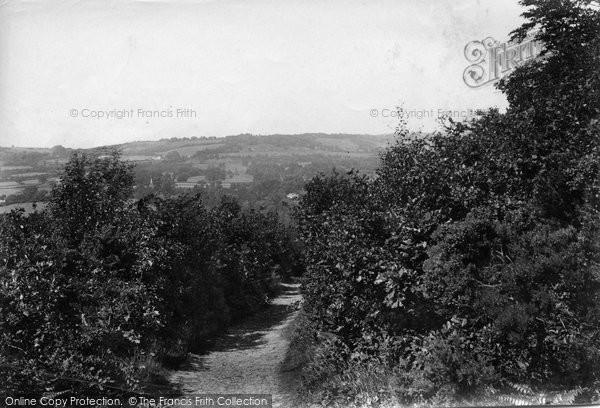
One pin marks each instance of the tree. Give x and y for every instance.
(91, 193)
(75, 297)
(471, 260)
(59, 151)
(173, 156)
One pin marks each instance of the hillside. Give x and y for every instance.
(273, 166)
(251, 145)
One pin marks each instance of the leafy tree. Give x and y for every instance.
(59, 151)
(173, 156)
(73, 301)
(471, 259)
(91, 194)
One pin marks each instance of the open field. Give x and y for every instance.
(241, 178)
(11, 190)
(12, 168)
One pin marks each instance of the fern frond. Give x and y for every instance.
(522, 388)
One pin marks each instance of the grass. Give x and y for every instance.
(134, 158)
(149, 370)
(11, 168)
(11, 191)
(191, 150)
(196, 179)
(240, 178)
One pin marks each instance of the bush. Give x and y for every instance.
(471, 260)
(97, 287)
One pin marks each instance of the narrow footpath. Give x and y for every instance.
(247, 358)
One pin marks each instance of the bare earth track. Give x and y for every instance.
(247, 359)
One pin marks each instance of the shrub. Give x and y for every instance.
(92, 288)
(471, 260)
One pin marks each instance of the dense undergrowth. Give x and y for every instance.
(470, 266)
(98, 291)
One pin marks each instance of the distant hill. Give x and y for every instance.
(252, 145)
(258, 168)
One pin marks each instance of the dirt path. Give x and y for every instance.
(247, 358)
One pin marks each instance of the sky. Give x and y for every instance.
(85, 73)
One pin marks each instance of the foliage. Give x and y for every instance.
(472, 259)
(96, 283)
(29, 194)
